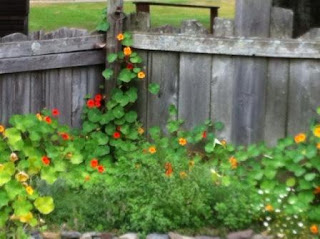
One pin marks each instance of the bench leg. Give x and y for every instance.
(213, 15)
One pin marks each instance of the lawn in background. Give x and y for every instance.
(87, 15)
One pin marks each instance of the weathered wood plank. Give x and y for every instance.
(252, 18)
(79, 90)
(21, 93)
(281, 25)
(222, 90)
(34, 63)
(37, 91)
(249, 100)
(194, 88)
(18, 48)
(164, 71)
(228, 46)
(276, 101)
(142, 85)
(304, 94)
(94, 80)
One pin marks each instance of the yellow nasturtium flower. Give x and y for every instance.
(316, 131)
(26, 218)
(140, 130)
(1, 128)
(22, 177)
(29, 190)
(13, 157)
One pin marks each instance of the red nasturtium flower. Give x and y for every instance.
(91, 103)
(129, 66)
(204, 134)
(94, 163)
(116, 135)
(100, 169)
(169, 170)
(55, 112)
(98, 97)
(65, 136)
(97, 104)
(45, 160)
(48, 119)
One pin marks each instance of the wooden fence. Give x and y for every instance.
(261, 83)
(53, 70)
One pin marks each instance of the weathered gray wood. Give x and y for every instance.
(223, 27)
(54, 61)
(139, 21)
(115, 17)
(313, 34)
(228, 46)
(79, 90)
(37, 91)
(276, 101)
(21, 93)
(164, 70)
(304, 94)
(142, 85)
(95, 79)
(53, 46)
(222, 90)
(194, 88)
(193, 27)
(281, 23)
(249, 100)
(14, 37)
(252, 18)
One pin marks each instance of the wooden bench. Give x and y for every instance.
(142, 6)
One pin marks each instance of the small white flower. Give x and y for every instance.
(277, 210)
(300, 224)
(279, 200)
(288, 189)
(266, 191)
(260, 191)
(266, 224)
(284, 225)
(268, 218)
(288, 218)
(294, 232)
(280, 235)
(295, 216)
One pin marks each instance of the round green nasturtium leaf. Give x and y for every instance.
(76, 158)
(125, 75)
(291, 182)
(118, 112)
(49, 174)
(209, 148)
(131, 116)
(88, 127)
(112, 57)
(154, 88)
(107, 74)
(132, 94)
(4, 216)
(14, 188)
(306, 197)
(4, 199)
(44, 205)
(6, 171)
(21, 207)
(310, 176)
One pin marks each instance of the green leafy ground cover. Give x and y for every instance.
(84, 15)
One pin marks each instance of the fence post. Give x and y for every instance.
(251, 74)
(115, 17)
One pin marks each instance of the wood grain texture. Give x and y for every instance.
(276, 100)
(222, 91)
(194, 88)
(164, 71)
(304, 95)
(249, 100)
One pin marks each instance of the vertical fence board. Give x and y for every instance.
(164, 71)
(79, 90)
(276, 100)
(94, 80)
(249, 100)
(222, 90)
(37, 89)
(142, 103)
(304, 94)
(194, 88)
(21, 93)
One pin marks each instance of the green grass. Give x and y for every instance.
(87, 15)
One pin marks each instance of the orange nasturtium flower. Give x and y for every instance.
(94, 163)
(48, 119)
(314, 229)
(2, 128)
(55, 112)
(120, 37)
(183, 141)
(141, 75)
(223, 143)
(152, 150)
(234, 162)
(39, 116)
(29, 190)
(101, 169)
(318, 145)
(127, 51)
(300, 138)
(269, 208)
(317, 190)
(183, 175)
(140, 130)
(169, 170)
(316, 131)
(45, 160)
